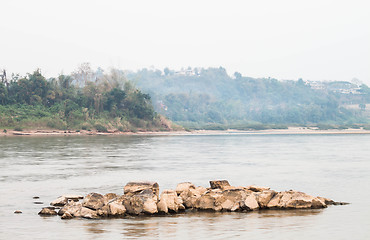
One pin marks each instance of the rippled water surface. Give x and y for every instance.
(333, 166)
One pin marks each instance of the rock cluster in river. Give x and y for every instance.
(142, 198)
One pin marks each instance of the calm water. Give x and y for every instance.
(333, 166)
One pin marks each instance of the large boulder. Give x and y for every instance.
(116, 209)
(191, 195)
(94, 201)
(295, 200)
(73, 208)
(209, 200)
(144, 202)
(219, 184)
(250, 203)
(264, 197)
(137, 187)
(170, 202)
(88, 213)
(181, 187)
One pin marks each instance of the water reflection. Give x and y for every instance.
(193, 222)
(94, 227)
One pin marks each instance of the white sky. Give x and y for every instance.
(285, 39)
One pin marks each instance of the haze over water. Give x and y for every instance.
(333, 166)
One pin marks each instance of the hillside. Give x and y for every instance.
(200, 98)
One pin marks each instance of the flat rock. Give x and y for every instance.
(63, 200)
(257, 188)
(294, 199)
(219, 184)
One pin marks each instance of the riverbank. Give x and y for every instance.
(289, 131)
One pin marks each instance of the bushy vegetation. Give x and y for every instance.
(85, 99)
(210, 98)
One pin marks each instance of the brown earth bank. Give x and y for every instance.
(290, 130)
(144, 198)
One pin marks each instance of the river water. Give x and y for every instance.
(333, 166)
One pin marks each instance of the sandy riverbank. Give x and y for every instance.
(290, 130)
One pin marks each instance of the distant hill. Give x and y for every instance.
(203, 97)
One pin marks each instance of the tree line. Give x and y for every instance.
(85, 96)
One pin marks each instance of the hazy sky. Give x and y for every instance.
(316, 39)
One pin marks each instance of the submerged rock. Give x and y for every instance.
(48, 211)
(66, 215)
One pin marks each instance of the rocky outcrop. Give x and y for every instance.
(142, 198)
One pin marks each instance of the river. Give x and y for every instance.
(332, 166)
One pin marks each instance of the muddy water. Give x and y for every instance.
(334, 166)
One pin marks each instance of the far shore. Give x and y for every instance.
(289, 131)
